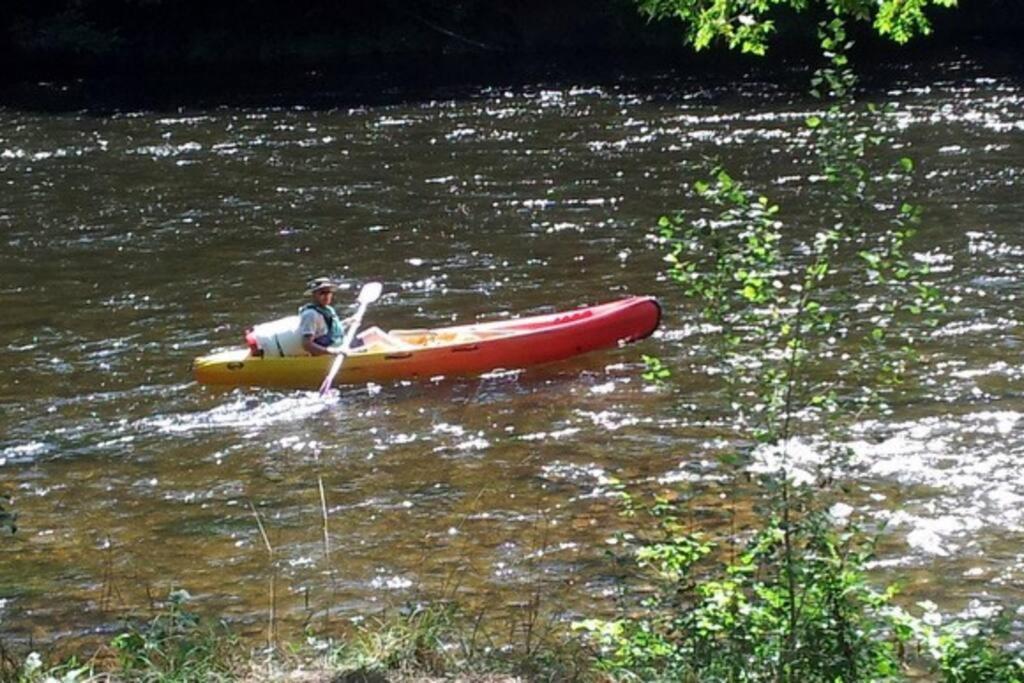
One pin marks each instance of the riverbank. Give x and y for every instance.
(417, 644)
(433, 642)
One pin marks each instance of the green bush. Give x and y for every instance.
(798, 361)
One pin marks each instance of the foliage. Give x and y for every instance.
(419, 639)
(33, 671)
(799, 357)
(742, 621)
(962, 652)
(966, 658)
(656, 371)
(422, 642)
(748, 24)
(439, 639)
(176, 646)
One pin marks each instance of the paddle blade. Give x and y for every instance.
(370, 292)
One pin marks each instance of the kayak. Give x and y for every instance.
(447, 351)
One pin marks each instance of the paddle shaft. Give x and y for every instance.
(346, 342)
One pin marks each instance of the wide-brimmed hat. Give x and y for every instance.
(316, 284)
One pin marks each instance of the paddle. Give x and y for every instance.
(367, 295)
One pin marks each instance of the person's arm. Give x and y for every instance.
(314, 349)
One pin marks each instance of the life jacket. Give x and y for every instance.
(333, 322)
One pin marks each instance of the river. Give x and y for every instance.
(136, 240)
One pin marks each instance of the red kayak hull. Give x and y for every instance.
(452, 351)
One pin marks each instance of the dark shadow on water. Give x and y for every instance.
(432, 77)
(331, 87)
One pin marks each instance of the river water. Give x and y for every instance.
(135, 240)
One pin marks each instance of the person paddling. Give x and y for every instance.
(321, 328)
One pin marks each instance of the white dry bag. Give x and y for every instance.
(277, 338)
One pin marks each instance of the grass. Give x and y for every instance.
(420, 643)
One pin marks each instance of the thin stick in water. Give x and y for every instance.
(271, 619)
(323, 512)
